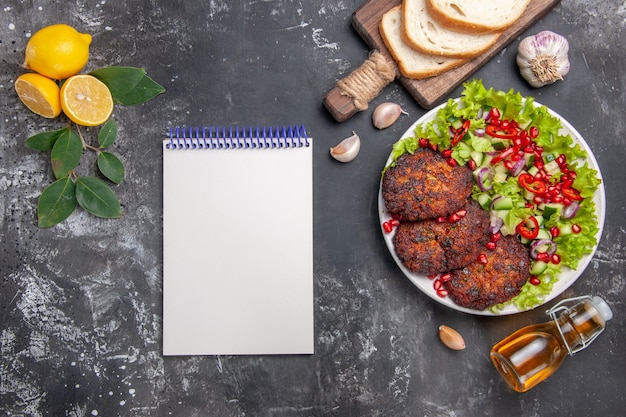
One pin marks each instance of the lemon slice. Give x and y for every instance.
(39, 94)
(86, 100)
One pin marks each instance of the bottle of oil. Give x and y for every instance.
(533, 353)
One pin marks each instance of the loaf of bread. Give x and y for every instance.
(412, 63)
(477, 15)
(425, 34)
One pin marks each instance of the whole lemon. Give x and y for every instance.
(57, 51)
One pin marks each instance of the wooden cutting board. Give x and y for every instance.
(430, 91)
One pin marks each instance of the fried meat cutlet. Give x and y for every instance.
(429, 247)
(479, 286)
(423, 186)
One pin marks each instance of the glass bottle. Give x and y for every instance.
(533, 353)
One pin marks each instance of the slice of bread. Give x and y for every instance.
(477, 15)
(427, 35)
(413, 64)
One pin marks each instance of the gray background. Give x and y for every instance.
(80, 303)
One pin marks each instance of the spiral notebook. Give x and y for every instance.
(237, 241)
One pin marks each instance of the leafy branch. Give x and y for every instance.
(129, 86)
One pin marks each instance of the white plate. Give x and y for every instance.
(566, 278)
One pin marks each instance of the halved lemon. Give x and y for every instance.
(40, 94)
(86, 100)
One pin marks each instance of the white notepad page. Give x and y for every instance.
(237, 251)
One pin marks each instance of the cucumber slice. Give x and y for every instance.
(477, 157)
(543, 234)
(502, 203)
(550, 208)
(500, 177)
(500, 144)
(484, 199)
(538, 267)
(552, 168)
(456, 123)
(530, 160)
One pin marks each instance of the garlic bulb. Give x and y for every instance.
(542, 59)
(347, 149)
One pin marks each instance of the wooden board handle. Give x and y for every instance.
(354, 92)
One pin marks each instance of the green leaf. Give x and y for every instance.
(107, 134)
(97, 198)
(120, 80)
(111, 167)
(44, 141)
(66, 153)
(56, 202)
(146, 90)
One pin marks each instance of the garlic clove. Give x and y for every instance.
(451, 338)
(347, 149)
(542, 58)
(386, 114)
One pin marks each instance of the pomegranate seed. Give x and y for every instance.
(491, 246)
(446, 277)
(556, 259)
(529, 205)
(576, 228)
(495, 236)
(455, 217)
(542, 257)
(446, 153)
(554, 232)
(482, 258)
(471, 164)
(387, 227)
(451, 162)
(423, 142)
(534, 280)
(441, 219)
(533, 132)
(394, 222)
(537, 200)
(432, 276)
(523, 135)
(433, 146)
(442, 293)
(437, 284)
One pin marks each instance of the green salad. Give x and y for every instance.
(535, 181)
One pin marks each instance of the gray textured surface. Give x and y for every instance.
(80, 303)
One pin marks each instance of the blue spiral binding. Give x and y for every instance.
(222, 137)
